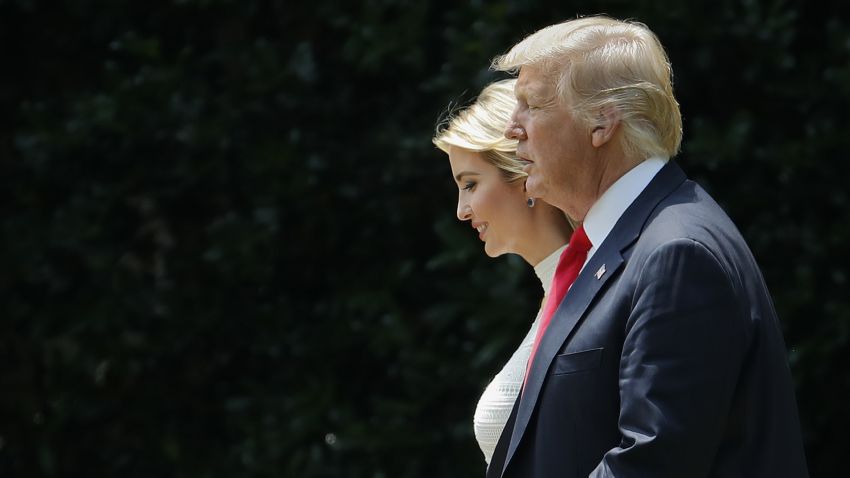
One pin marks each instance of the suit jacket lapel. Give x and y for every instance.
(583, 291)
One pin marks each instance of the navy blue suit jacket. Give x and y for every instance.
(665, 358)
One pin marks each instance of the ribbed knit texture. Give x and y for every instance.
(498, 398)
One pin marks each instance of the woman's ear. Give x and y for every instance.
(608, 122)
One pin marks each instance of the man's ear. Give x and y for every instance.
(607, 124)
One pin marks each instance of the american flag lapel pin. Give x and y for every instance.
(600, 272)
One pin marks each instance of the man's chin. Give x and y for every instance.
(533, 189)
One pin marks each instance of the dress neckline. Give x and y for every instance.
(545, 269)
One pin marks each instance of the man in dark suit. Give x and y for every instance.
(665, 357)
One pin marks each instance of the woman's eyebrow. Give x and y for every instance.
(461, 174)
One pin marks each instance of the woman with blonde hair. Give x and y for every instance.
(492, 197)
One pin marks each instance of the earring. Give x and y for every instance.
(530, 202)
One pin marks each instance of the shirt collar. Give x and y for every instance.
(607, 210)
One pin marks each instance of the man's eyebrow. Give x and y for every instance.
(521, 92)
(529, 94)
(537, 94)
(461, 174)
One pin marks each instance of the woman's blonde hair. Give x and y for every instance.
(481, 128)
(600, 64)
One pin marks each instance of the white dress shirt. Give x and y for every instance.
(608, 209)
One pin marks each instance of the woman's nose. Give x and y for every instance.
(464, 212)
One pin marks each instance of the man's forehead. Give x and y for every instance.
(534, 82)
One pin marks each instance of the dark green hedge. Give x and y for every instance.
(229, 248)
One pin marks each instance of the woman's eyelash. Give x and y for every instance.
(468, 186)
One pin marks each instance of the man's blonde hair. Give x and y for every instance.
(600, 64)
(481, 128)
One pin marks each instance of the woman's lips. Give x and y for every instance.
(481, 227)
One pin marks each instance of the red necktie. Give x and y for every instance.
(569, 265)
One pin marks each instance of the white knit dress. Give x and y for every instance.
(498, 398)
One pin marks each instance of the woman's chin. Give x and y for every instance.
(493, 252)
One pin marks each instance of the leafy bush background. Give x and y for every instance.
(229, 248)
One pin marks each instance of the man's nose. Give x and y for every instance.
(514, 131)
